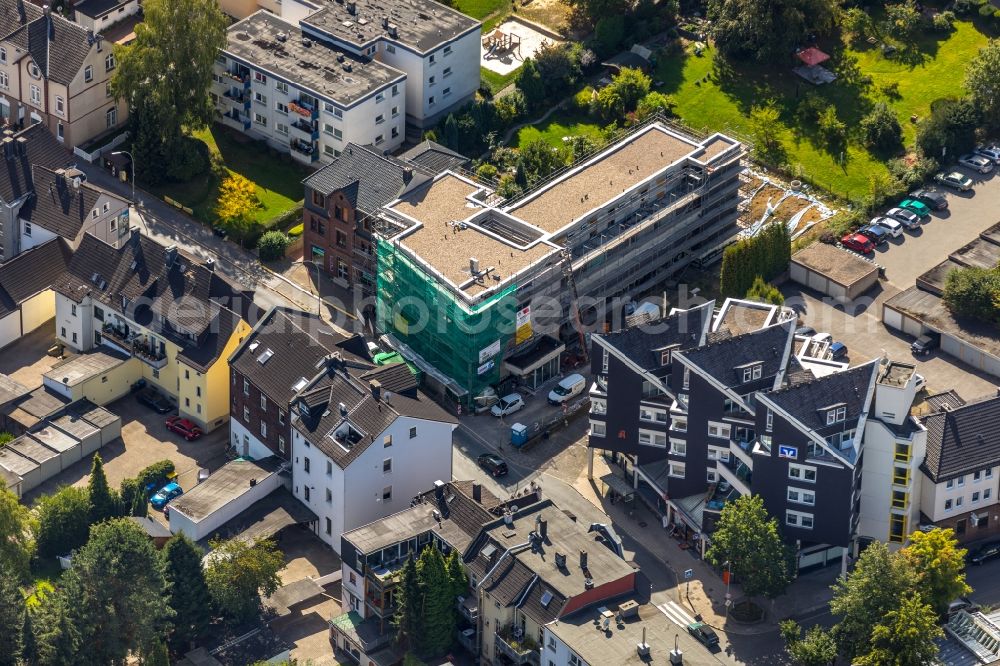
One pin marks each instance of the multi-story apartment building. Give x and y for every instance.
(341, 201)
(528, 564)
(275, 361)
(169, 310)
(56, 72)
(615, 225)
(20, 152)
(702, 407)
(277, 83)
(364, 443)
(435, 46)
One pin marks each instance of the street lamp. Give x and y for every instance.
(319, 288)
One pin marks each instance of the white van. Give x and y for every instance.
(568, 388)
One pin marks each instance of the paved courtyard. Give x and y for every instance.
(506, 47)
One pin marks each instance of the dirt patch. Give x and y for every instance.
(811, 216)
(758, 205)
(789, 207)
(553, 14)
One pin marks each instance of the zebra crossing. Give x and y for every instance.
(676, 613)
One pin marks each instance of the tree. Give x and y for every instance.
(858, 23)
(881, 130)
(486, 173)
(508, 187)
(816, 648)
(653, 103)
(159, 656)
(236, 205)
(559, 65)
(630, 85)
(950, 129)
(864, 598)
(134, 501)
(609, 33)
(529, 82)
(456, 574)
(767, 30)
(29, 646)
(239, 573)
(409, 619)
(16, 543)
(116, 594)
(272, 245)
(939, 565)
(593, 10)
(831, 128)
(5, 437)
(449, 135)
(439, 603)
(749, 540)
(12, 611)
(63, 521)
(103, 503)
(765, 292)
(539, 160)
(188, 594)
(57, 637)
(904, 636)
(903, 21)
(973, 292)
(164, 76)
(982, 80)
(766, 128)
(765, 255)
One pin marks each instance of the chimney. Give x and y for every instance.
(171, 255)
(21, 14)
(210, 264)
(343, 409)
(407, 174)
(393, 31)
(61, 178)
(253, 482)
(998, 391)
(473, 266)
(438, 490)
(8, 148)
(583, 560)
(477, 492)
(385, 22)
(543, 528)
(22, 146)
(376, 387)
(351, 8)
(560, 561)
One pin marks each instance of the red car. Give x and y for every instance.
(183, 427)
(858, 243)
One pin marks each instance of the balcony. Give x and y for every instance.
(468, 607)
(148, 354)
(301, 149)
(741, 449)
(236, 95)
(467, 639)
(304, 131)
(517, 647)
(240, 78)
(117, 338)
(304, 108)
(737, 474)
(236, 120)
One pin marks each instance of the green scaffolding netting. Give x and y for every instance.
(465, 343)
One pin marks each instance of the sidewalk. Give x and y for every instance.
(706, 593)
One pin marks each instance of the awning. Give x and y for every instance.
(812, 56)
(528, 361)
(617, 484)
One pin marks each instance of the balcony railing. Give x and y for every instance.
(302, 148)
(518, 648)
(236, 77)
(304, 108)
(468, 607)
(133, 344)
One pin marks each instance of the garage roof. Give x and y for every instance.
(843, 267)
(230, 482)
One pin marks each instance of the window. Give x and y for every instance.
(329, 525)
(801, 496)
(395, 90)
(897, 528)
(678, 447)
(394, 133)
(389, 48)
(799, 519)
(329, 468)
(975, 497)
(111, 117)
(665, 357)
(431, 59)
(33, 70)
(430, 100)
(947, 505)
(379, 139)
(902, 452)
(802, 473)
(836, 415)
(753, 372)
(961, 482)
(900, 499)
(379, 119)
(197, 391)
(281, 417)
(679, 425)
(3, 55)
(387, 494)
(107, 92)
(712, 476)
(109, 62)
(379, 98)
(27, 232)
(413, 432)
(4, 81)
(281, 87)
(989, 472)
(36, 94)
(72, 307)
(604, 361)
(650, 438)
(447, 72)
(329, 496)
(652, 415)
(305, 464)
(281, 107)
(246, 387)
(74, 337)
(328, 128)
(446, 92)
(677, 470)
(387, 441)
(770, 421)
(281, 128)
(88, 73)
(987, 493)
(977, 475)
(259, 78)
(958, 501)
(341, 239)
(260, 98)
(305, 492)
(337, 134)
(901, 476)
(395, 111)
(281, 444)
(60, 105)
(447, 50)
(387, 465)
(597, 429)
(246, 414)
(721, 430)
(950, 484)
(260, 119)
(263, 429)
(430, 81)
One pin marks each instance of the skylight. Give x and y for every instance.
(266, 356)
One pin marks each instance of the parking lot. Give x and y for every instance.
(25, 361)
(859, 325)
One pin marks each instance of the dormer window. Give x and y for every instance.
(752, 372)
(303, 409)
(836, 414)
(665, 355)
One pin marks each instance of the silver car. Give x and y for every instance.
(990, 152)
(977, 162)
(894, 227)
(907, 218)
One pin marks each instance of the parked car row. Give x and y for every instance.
(907, 216)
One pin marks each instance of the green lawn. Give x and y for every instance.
(723, 101)
(478, 9)
(496, 82)
(278, 180)
(557, 126)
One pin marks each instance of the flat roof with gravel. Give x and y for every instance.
(930, 310)
(602, 178)
(230, 482)
(843, 267)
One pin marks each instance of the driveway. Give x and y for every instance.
(26, 360)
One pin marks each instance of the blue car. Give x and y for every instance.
(838, 350)
(875, 234)
(165, 494)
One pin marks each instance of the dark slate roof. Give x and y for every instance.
(720, 359)
(367, 178)
(963, 439)
(395, 377)
(539, 612)
(340, 382)
(11, 19)
(94, 8)
(31, 272)
(57, 205)
(949, 399)
(40, 149)
(297, 342)
(807, 401)
(58, 46)
(686, 328)
(435, 158)
(193, 297)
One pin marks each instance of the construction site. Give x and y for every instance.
(480, 292)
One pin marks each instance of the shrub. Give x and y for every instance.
(191, 158)
(272, 245)
(511, 107)
(653, 103)
(830, 126)
(153, 477)
(963, 7)
(583, 100)
(943, 22)
(880, 129)
(914, 172)
(987, 11)
(507, 187)
(765, 292)
(529, 82)
(609, 33)
(296, 231)
(486, 173)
